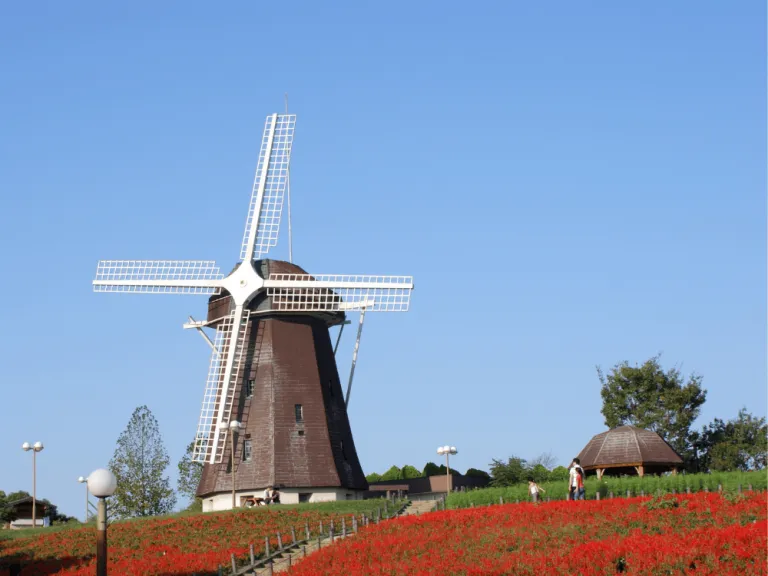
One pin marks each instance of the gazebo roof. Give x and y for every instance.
(628, 446)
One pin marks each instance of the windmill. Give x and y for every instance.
(272, 364)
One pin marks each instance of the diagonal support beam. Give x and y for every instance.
(354, 357)
(198, 326)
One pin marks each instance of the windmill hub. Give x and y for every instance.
(243, 284)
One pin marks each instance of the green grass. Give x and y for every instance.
(356, 507)
(619, 486)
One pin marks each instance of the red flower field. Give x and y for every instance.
(700, 534)
(182, 545)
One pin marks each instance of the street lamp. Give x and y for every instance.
(84, 480)
(233, 426)
(102, 484)
(447, 450)
(36, 447)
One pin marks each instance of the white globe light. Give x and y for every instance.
(81, 479)
(440, 451)
(38, 446)
(453, 450)
(26, 447)
(446, 449)
(234, 425)
(102, 483)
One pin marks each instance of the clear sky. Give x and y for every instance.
(570, 184)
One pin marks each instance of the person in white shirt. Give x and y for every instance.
(534, 490)
(576, 481)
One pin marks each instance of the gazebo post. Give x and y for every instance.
(600, 472)
(640, 470)
(674, 471)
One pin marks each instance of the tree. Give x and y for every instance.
(189, 474)
(393, 473)
(431, 469)
(7, 514)
(475, 473)
(538, 472)
(648, 397)
(373, 477)
(508, 474)
(559, 473)
(410, 472)
(738, 444)
(139, 464)
(442, 471)
(545, 459)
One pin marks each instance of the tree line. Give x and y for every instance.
(667, 403)
(645, 396)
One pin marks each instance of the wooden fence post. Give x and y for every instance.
(749, 487)
(597, 496)
(331, 529)
(501, 499)
(250, 551)
(354, 524)
(266, 546)
(610, 494)
(343, 527)
(330, 533)
(629, 494)
(706, 488)
(674, 491)
(321, 526)
(304, 551)
(319, 541)
(293, 535)
(279, 542)
(642, 492)
(270, 568)
(234, 564)
(306, 530)
(687, 489)
(221, 570)
(739, 489)
(720, 488)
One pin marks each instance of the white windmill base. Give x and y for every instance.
(223, 500)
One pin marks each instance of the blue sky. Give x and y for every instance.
(570, 184)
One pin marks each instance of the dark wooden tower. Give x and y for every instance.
(289, 401)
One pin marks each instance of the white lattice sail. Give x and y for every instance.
(158, 276)
(209, 445)
(335, 293)
(269, 186)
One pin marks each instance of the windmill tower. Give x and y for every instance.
(273, 366)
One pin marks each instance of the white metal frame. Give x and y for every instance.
(298, 293)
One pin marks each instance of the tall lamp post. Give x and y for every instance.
(447, 450)
(102, 484)
(234, 426)
(84, 480)
(36, 447)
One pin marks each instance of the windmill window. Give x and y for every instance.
(299, 413)
(249, 388)
(247, 451)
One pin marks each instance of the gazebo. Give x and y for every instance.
(629, 450)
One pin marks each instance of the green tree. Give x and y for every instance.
(139, 464)
(393, 473)
(650, 398)
(373, 477)
(538, 472)
(559, 473)
(410, 472)
(510, 473)
(431, 469)
(442, 470)
(475, 473)
(7, 514)
(189, 474)
(738, 444)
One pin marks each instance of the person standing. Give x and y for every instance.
(576, 481)
(534, 489)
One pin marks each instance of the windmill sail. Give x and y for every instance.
(217, 398)
(263, 222)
